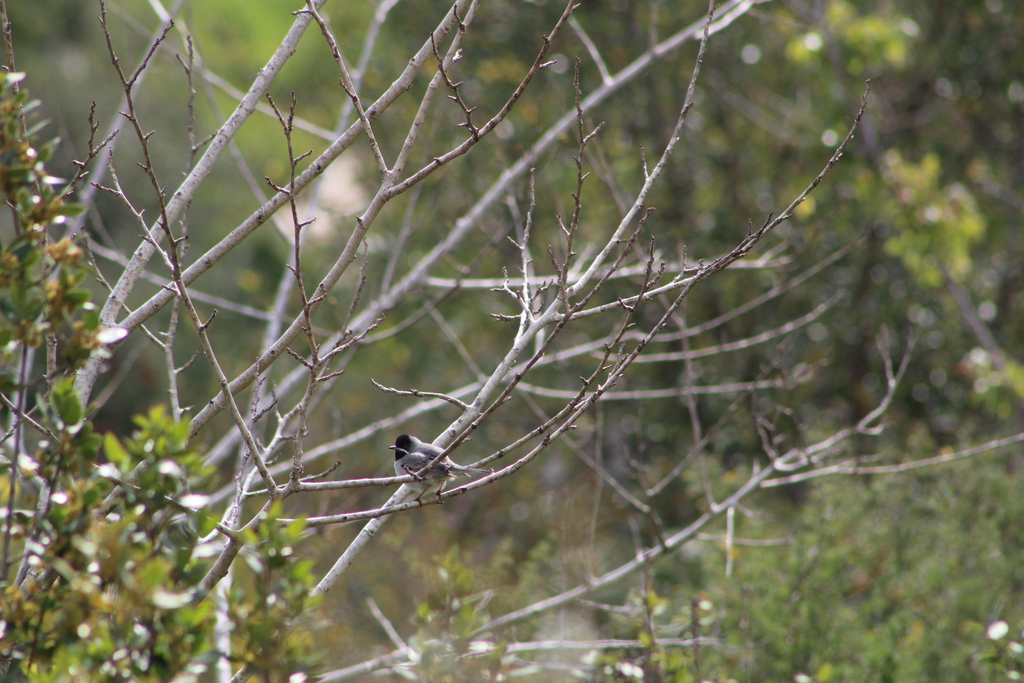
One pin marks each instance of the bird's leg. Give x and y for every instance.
(419, 498)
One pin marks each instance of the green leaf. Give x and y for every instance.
(72, 210)
(77, 297)
(65, 401)
(91, 318)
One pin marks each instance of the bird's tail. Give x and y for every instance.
(459, 469)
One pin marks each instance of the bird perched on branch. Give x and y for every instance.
(412, 455)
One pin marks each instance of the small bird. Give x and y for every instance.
(412, 455)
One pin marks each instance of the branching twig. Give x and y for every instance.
(421, 394)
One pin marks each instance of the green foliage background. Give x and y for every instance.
(885, 578)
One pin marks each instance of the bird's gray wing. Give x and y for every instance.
(414, 462)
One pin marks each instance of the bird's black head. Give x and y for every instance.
(403, 444)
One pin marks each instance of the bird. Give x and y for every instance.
(412, 455)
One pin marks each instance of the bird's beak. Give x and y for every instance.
(391, 448)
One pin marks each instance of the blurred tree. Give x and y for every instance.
(626, 295)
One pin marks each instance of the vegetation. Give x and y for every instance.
(727, 301)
